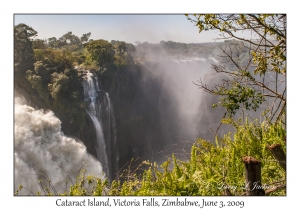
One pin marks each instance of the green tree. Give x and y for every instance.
(121, 48)
(101, 51)
(85, 37)
(39, 44)
(23, 51)
(130, 48)
(70, 39)
(23, 54)
(53, 42)
(258, 78)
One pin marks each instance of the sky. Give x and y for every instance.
(128, 28)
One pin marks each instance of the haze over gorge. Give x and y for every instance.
(103, 105)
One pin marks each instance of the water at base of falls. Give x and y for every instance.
(42, 152)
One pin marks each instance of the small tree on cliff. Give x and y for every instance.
(23, 54)
(261, 78)
(23, 51)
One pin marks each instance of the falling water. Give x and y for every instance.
(112, 127)
(97, 85)
(90, 93)
(101, 112)
(41, 150)
(101, 147)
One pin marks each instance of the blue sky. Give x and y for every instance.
(129, 28)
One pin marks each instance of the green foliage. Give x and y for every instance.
(84, 58)
(54, 43)
(101, 51)
(23, 52)
(69, 41)
(85, 37)
(123, 53)
(57, 83)
(56, 59)
(238, 96)
(212, 168)
(253, 61)
(213, 165)
(39, 44)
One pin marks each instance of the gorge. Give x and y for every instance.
(112, 118)
(140, 105)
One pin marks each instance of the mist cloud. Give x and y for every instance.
(41, 149)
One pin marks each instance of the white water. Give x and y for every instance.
(97, 85)
(101, 146)
(112, 125)
(108, 113)
(41, 149)
(91, 90)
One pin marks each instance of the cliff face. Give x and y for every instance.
(158, 109)
(134, 93)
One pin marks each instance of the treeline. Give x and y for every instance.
(177, 48)
(150, 52)
(89, 52)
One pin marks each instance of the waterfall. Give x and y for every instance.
(100, 147)
(101, 113)
(41, 148)
(97, 85)
(112, 127)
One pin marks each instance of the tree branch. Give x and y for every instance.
(268, 27)
(268, 192)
